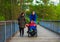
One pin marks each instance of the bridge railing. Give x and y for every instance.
(7, 29)
(51, 25)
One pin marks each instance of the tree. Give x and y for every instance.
(45, 2)
(58, 12)
(9, 9)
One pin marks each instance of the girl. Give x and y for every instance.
(21, 23)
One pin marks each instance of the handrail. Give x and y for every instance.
(50, 20)
(8, 28)
(54, 26)
(2, 22)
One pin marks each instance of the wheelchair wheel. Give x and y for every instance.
(28, 34)
(36, 34)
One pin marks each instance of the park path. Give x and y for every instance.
(44, 35)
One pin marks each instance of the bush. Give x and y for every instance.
(27, 20)
(2, 18)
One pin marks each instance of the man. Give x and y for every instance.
(33, 16)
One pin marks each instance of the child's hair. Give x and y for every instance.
(32, 20)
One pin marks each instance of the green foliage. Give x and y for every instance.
(2, 18)
(28, 0)
(46, 12)
(9, 9)
(58, 12)
(27, 19)
(45, 1)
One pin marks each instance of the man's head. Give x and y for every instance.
(33, 12)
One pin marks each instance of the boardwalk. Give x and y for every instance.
(44, 35)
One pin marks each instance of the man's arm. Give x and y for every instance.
(30, 17)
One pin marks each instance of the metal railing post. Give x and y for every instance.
(11, 29)
(5, 31)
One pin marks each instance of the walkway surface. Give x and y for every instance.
(44, 35)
